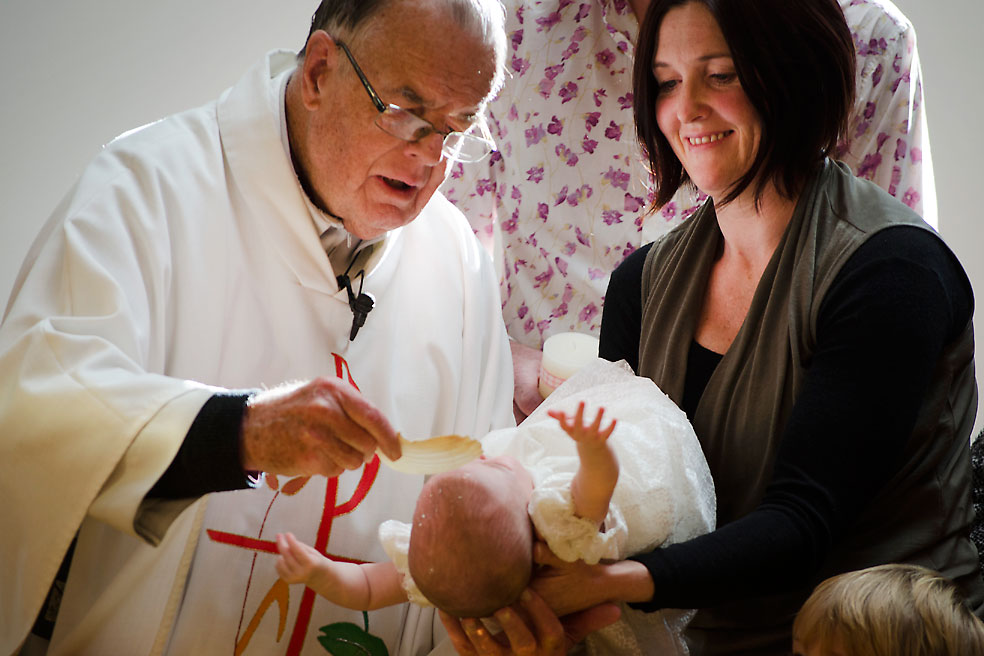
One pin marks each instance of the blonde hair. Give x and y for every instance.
(888, 610)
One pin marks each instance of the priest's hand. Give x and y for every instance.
(323, 426)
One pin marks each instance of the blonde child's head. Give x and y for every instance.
(471, 544)
(885, 611)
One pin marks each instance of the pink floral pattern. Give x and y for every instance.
(887, 141)
(568, 187)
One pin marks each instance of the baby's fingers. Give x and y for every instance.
(594, 433)
(595, 428)
(579, 416)
(572, 426)
(560, 416)
(578, 431)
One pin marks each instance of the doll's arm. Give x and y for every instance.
(360, 587)
(597, 473)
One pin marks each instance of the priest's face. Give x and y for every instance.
(415, 56)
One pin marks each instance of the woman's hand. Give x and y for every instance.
(571, 587)
(529, 628)
(566, 587)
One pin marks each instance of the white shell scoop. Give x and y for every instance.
(434, 455)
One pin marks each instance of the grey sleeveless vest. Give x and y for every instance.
(746, 403)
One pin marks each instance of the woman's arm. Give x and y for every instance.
(621, 317)
(572, 587)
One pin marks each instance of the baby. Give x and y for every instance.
(591, 492)
(887, 610)
(471, 544)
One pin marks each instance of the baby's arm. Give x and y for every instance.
(597, 473)
(359, 587)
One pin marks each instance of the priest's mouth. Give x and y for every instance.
(396, 184)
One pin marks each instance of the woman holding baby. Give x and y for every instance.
(816, 331)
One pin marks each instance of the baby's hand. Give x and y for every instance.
(297, 561)
(591, 435)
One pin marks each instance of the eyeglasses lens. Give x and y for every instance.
(458, 146)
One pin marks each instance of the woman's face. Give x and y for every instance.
(701, 108)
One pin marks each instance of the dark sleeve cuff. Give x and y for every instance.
(621, 317)
(208, 460)
(645, 606)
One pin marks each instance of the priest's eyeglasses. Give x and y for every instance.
(472, 145)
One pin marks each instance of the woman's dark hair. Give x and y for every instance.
(795, 61)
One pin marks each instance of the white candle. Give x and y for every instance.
(563, 355)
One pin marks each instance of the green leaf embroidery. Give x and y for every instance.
(347, 639)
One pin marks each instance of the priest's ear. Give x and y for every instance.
(321, 59)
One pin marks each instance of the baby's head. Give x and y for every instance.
(887, 610)
(471, 545)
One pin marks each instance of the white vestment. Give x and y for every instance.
(183, 262)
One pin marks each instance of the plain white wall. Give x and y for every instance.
(951, 50)
(74, 74)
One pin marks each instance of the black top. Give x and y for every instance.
(208, 460)
(880, 331)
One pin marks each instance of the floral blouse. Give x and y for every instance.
(565, 196)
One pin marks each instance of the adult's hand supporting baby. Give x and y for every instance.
(529, 628)
(572, 587)
(323, 426)
(526, 379)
